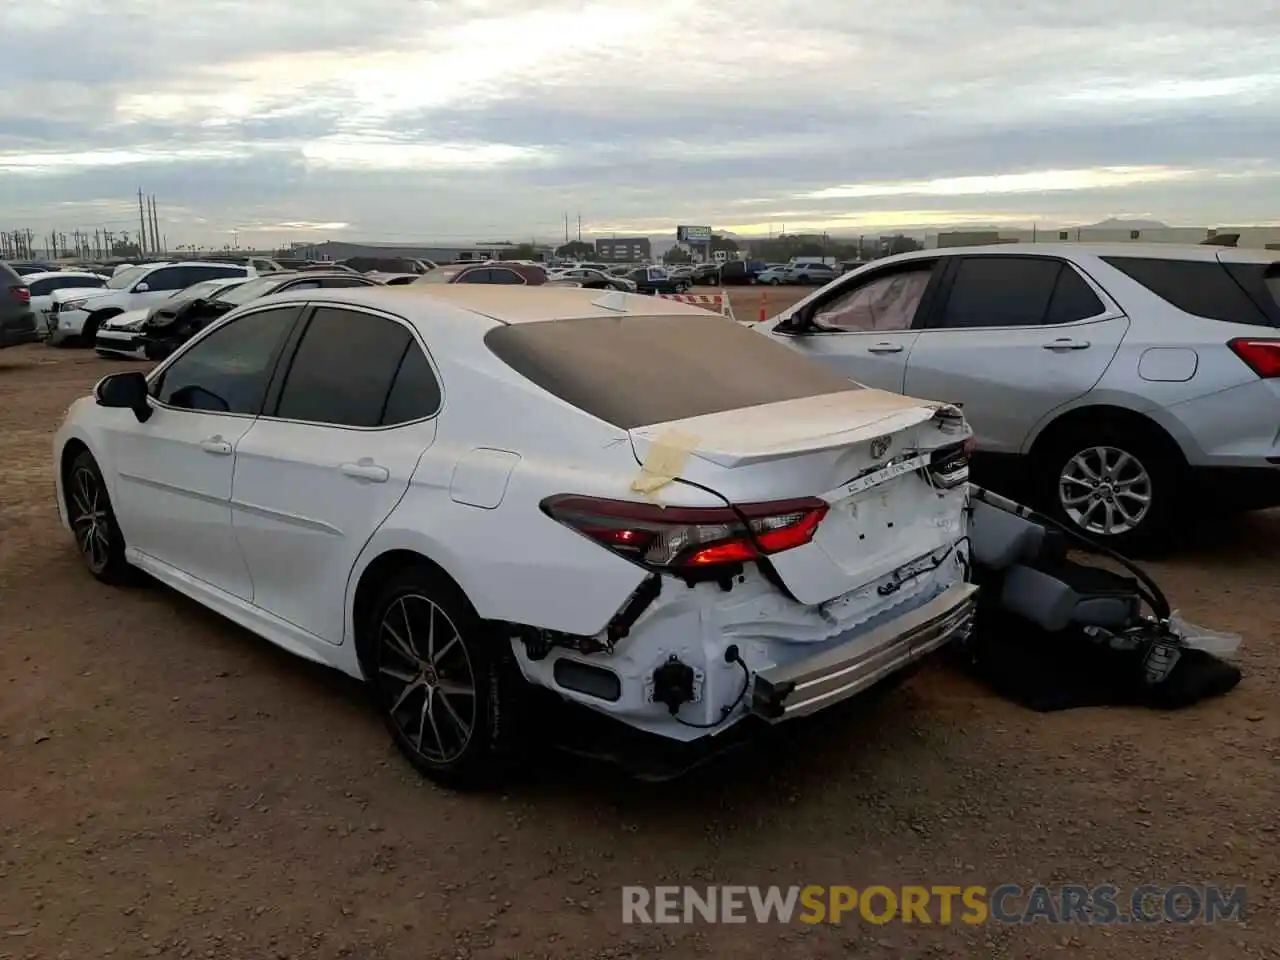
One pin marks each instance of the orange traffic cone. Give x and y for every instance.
(764, 307)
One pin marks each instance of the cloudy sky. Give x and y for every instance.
(386, 120)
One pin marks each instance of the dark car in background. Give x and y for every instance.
(653, 280)
(740, 273)
(17, 320)
(172, 324)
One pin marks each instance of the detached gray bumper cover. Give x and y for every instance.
(806, 686)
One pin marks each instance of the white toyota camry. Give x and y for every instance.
(475, 496)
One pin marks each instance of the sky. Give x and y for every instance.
(261, 122)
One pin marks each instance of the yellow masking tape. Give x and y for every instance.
(668, 454)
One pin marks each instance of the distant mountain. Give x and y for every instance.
(1111, 223)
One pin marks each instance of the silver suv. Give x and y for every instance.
(1122, 382)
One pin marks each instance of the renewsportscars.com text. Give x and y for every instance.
(1103, 904)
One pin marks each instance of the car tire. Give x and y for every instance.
(93, 522)
(420, 679)
(89, 333)
(1142, 464)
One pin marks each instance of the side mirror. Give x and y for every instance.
(124, 391)
(142, 287)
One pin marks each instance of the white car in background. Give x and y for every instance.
(1118, 385)
(44, 285)
(118, 335)
(470, 494)
(75, 315)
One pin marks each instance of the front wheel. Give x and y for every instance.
(89, 333)
(1119, 488)
(93, 521)
(446, 684)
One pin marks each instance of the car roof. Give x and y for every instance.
(498, 302)
(61, 273)
(1153, 251)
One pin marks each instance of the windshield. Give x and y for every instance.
(127, 278)
(252, 290)
(201, 291)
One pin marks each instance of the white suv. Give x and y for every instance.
(75, 315)
(1123, 381)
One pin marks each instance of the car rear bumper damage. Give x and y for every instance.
(851, 667)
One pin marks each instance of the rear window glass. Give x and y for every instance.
(637, 371)
(1203, 288)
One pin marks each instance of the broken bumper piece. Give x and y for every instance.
(817, 682)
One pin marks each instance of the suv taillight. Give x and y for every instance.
(21, 293)
(1261, 356)
(949, 465)
(685, 538)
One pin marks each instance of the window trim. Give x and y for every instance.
(159, 370)
(290, 353)
(933, 320)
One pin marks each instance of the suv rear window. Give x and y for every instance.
(638, 371)
(1233, 293)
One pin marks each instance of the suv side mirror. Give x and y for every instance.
(143, 287)
(124, 391)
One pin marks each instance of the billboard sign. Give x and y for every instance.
(687, 234)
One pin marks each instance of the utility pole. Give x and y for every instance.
(579, 228)
(108, 242)
(142, 224)
(566, 226)
(155, 226)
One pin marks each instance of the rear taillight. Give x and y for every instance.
(683, 538)
(20, 293)
(949, 465)
(1261, 356)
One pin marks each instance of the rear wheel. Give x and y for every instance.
(448, 688)
(1119, 486)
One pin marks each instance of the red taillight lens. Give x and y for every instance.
(1261, 356)
(21, 294)
(689, 537)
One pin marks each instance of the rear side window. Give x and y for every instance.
(637, 371)
(347, 372)
(1203, 288)
(1007, 291)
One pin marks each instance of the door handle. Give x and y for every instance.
(217, 446)
(366, 469)
(1065, 343)
(885, 348)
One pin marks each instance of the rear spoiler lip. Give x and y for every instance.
(807, 443)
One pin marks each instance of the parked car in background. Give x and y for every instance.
(593, 279)
(740, 272)
(17, 320)
(75, 315)
(385, 533)
(44, 285)
(811, 273)
(653, 280)
(1112, 385)
(168, 327)
(774, 276)
(121, 335)
(707, 273)
(392, 279)
(24, 268)
(499, 272)
(387, 264)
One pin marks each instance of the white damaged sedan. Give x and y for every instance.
(475, 496)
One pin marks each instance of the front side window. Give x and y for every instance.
(126, 278)
(509, 277)
(347, 373)
(228, 370)
(166, 278)
(474, 276)
(885, 303)
(250, 290)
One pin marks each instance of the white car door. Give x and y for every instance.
(173, 473)
(866, 328)
(329, 460)
(1011, 338)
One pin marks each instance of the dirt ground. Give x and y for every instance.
(172, 786)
